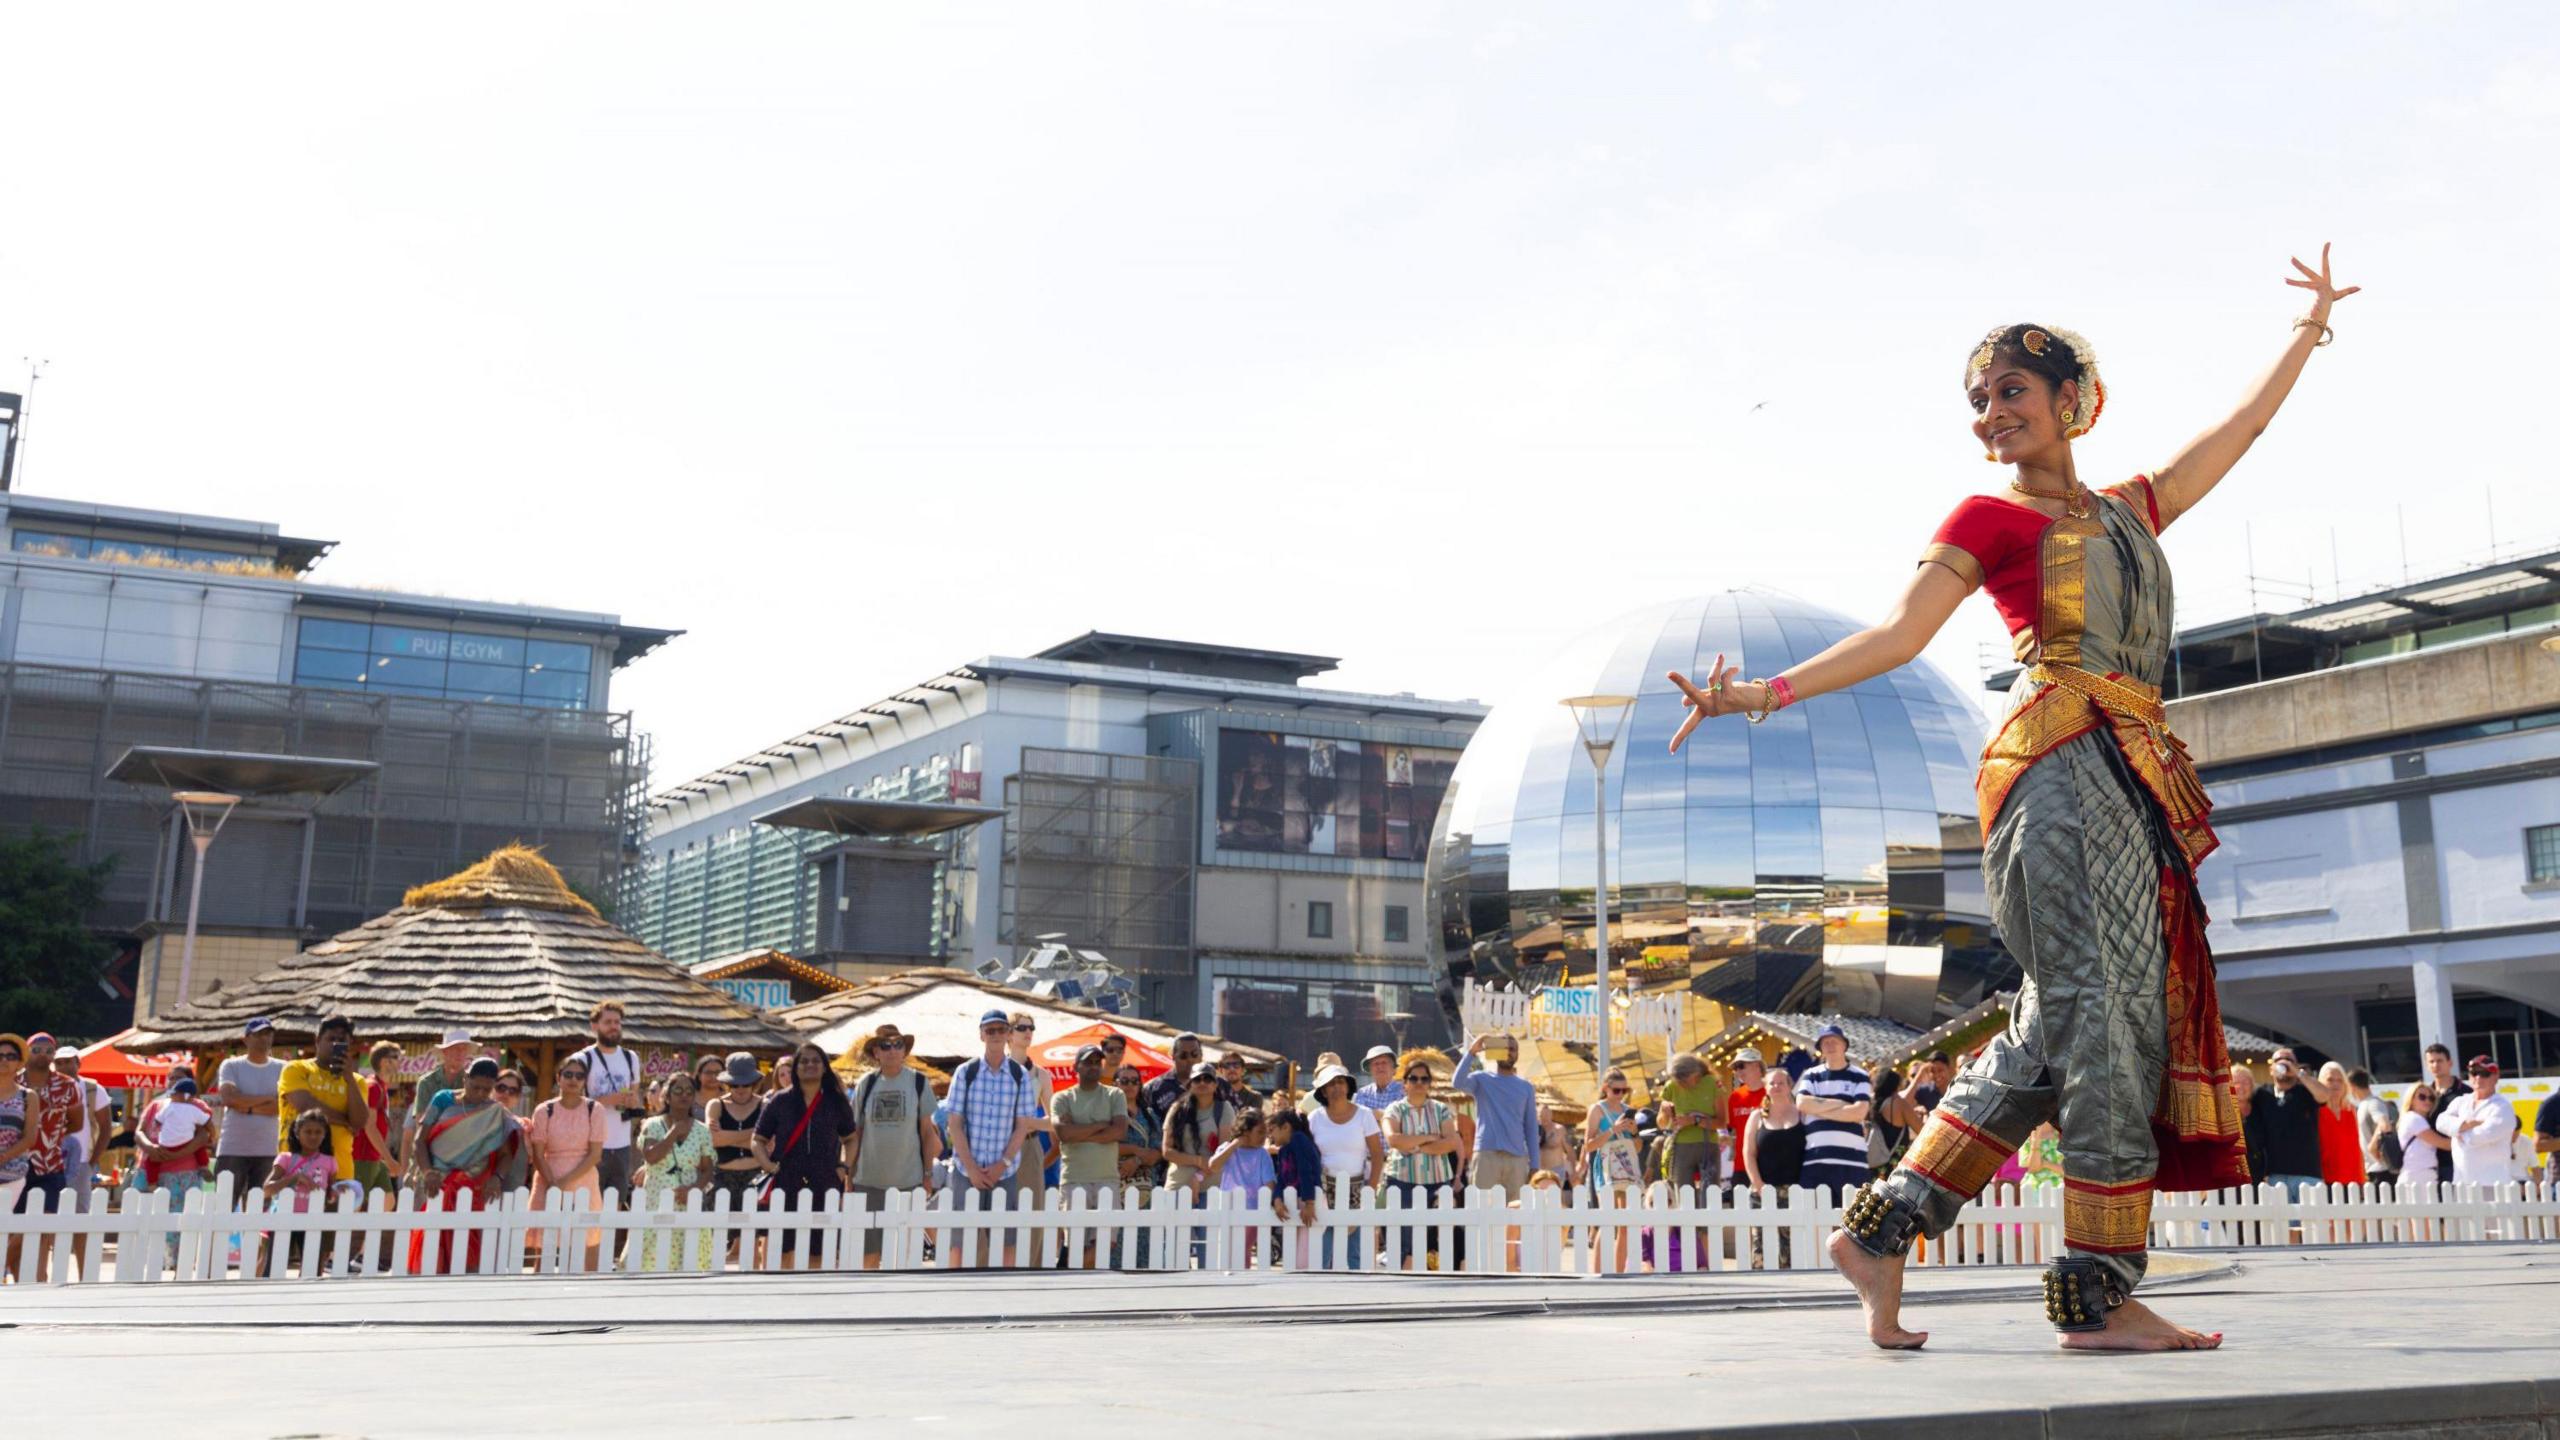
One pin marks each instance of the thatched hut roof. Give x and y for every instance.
(504, 949)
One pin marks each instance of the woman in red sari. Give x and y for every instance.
(466, 1144)
(2093, 822)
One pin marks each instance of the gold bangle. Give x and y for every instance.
(2326, 334)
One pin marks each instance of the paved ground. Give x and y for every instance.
(2457, 1341)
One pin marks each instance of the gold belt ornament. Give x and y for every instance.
(2076, 701)
(2130, 699)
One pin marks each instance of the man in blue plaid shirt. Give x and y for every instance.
(994, 1108)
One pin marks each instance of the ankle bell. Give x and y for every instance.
(1881, 1224)
(2078, 1293)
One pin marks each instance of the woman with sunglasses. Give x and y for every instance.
(1613, 1159)
(736, 1173)
(568, 1141)
(1422, 1149)
(1347, 1139)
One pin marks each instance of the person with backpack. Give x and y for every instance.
(894, 1142)
(2378, 1127)
(994, 1106)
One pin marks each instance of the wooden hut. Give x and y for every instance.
(503, 949)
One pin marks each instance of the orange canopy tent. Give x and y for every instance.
(1058, 1056)
(116, 1070)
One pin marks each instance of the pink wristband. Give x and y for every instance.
(1781, 694)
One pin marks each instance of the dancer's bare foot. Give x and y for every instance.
(1879, 1282)
(2136, 1326)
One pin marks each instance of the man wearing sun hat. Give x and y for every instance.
(2482, 1125)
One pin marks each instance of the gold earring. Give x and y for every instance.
(2066, 417)
(1987, 455)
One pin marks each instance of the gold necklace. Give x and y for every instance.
(2073, 499)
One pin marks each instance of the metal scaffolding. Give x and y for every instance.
(457, 780)
(1100, 848)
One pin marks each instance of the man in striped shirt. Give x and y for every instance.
(1835, 1097)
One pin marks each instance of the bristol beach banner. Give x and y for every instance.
(1566, 1012)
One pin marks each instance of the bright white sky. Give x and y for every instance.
(862, 340)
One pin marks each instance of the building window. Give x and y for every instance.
(2542, 853)
(448, 664)
(1398, 924)
(1319, 919)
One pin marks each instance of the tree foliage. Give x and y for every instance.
(49, 958)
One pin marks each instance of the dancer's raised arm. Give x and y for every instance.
(2193, 473)
(1932, 596)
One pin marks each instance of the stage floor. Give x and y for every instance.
(2457, 1340)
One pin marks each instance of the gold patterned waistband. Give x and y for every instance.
(2132, 712)
(2125, 697)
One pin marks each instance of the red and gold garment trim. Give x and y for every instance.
(2107, 1219)
(1955, 1156)
(2197, 1121)
(2075, 702)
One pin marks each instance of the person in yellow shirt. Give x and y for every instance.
(325, 1084)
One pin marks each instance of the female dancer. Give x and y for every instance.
(2093, 822)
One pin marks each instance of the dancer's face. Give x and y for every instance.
(2017, 414)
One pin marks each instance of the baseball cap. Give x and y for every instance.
(996, 1017)
(1749, 1055)
(183, 1085)
(2482, 1065)
(1089, 1052)
(258, 1025)
(1827, 1031)
(1378, 1052)
(483, 1068)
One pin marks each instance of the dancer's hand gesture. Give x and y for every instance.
(1723, 694)
(2324, 291)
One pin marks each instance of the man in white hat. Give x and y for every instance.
(453, 1059)
(1383, 1088)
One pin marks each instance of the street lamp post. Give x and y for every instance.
(205, 811)
(1599, 718)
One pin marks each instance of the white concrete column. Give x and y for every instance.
(2434, 987)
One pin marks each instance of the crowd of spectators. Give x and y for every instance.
(317, 1131)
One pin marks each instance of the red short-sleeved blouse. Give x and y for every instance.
(1993, 543)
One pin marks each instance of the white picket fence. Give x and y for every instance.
(138, 1238)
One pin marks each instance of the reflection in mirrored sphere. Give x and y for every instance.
(1826, 859)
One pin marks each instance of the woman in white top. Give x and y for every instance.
(2419, 1146)
(1348, 1139)
(2419, 1142)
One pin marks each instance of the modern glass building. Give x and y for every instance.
(1247, 846)
(1827, 859)
(488, 723)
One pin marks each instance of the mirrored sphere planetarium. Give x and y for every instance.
(1826, 859)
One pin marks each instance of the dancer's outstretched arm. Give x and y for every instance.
(2193, 473)
(1932, 596)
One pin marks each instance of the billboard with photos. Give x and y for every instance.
(1305, 795)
